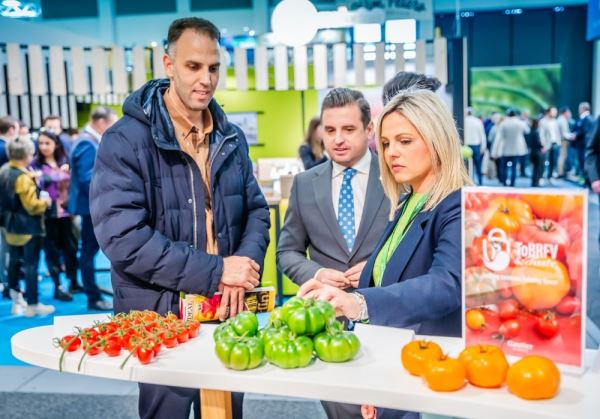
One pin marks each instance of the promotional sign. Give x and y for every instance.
(524, 271)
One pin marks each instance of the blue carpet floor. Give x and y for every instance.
(9, 325)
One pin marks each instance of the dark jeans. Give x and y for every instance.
(552, 158)
(524, 161)
(504, 163)
(60, 237)
(167, 402)
(3, 260)
(89, 249)
(477, 161)
(27, 256)
(537, 160)
(579, 147)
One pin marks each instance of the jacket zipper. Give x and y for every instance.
(194, 189)
(194, 206)
(213, 156)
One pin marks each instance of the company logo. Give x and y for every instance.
(496, 255)
(498, 250)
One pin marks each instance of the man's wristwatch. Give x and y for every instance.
(363, 314)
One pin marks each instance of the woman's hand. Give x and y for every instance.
(368, 412)
(65, 168)
(344, 303)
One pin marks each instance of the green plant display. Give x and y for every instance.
(530, 88)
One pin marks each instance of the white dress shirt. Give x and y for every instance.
(93, 132)
(474, 132)
(549, 131)
(359, 186)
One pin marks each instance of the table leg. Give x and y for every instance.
(215, 404)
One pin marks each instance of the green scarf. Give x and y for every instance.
(413, 205)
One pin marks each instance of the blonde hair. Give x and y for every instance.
(431, 118)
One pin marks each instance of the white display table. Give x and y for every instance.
(375, 377)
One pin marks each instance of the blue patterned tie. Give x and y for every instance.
(346, 208)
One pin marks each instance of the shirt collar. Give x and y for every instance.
(93, 132)
(361, 166)
(15, 165)
(182, 121)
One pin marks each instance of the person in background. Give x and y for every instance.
(592, 157)
(73, 134)
(312, 152)
(566, 137)
(510, 145)
(22, 211)
(537, 152)
(407, 80)
(476, 140)
(24, 131)
(413, 277)
(53, 165)
(494, 169)
(52, 123)
(402, 81)
(583, 130)
(83, 157)
(550, 137)
(9, 130)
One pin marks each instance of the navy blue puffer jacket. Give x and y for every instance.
(147, 205)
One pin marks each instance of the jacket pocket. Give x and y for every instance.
(137, 298)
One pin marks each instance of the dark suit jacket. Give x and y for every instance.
(310, 224)
(421, 285)
(592, 153)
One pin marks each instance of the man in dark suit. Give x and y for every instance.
(337, 210)
(321, 198)
(582, 131)
(83, 157)
(592, 157)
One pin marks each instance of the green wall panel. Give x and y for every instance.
(282, 118)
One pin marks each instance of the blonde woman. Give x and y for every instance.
(413, 278)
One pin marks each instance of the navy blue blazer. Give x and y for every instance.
(83, 158)
(421, 285)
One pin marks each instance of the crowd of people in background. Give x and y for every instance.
(44, 184)
(544, 147)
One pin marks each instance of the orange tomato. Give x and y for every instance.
(540, 283)
(554, 207)
(415, 353)
(507, 214)
(533, 378)
(485, 365)
(475, 319)
(444, 374)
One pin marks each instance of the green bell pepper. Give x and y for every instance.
(240, 353)
(335, 345)
(307, 316)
